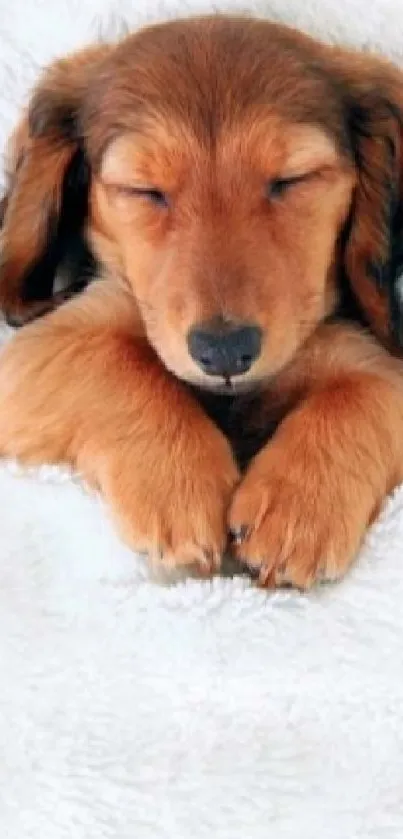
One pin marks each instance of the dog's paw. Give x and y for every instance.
(173, 504)
(297, 521)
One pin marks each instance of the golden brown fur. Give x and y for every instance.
(269, 195)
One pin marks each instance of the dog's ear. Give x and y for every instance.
(48, 176)
(373, 253)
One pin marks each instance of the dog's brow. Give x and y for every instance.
(161, 157)
(308, 147)
(134, 158)
(119, 160)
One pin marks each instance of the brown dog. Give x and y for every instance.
(241, 188)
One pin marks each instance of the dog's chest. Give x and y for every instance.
(247, 421)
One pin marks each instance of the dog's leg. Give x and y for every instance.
(305, 503)
(82, 385)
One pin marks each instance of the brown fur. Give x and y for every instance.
(107, 383)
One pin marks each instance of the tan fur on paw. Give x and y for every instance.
(298, 522)
(173, 504)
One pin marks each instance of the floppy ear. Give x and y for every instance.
(46, 201)
(374, 243)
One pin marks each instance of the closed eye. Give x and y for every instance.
(152, 194)
(279, 186)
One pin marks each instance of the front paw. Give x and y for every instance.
(295, 520)
(172, 503)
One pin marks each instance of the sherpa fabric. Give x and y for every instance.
(130, 709)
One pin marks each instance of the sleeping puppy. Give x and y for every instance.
(233, 373)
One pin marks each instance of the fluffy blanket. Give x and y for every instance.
(130, 709)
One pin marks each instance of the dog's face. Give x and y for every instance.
(222, 201)
(229, 247)
(227, 158)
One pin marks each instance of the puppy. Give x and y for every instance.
(233, 370)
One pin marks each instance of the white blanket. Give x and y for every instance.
(207, 710)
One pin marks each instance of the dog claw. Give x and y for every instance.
(238, 534)
(252, 572)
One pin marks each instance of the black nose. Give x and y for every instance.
(226, 350)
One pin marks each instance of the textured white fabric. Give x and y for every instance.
(134, 710)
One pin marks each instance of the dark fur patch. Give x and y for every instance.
(395, 272)
(67, 251)
(240, 418)
(377, 111)
(47, 116)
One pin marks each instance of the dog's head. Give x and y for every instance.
(236, 174)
